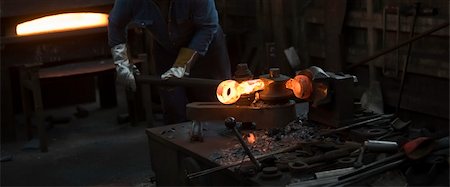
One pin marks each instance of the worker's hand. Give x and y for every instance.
(181, 67)
(125, 70)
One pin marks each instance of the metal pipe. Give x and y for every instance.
(352, 125)
(408, 57)
(369, 173)
(218, 168)
(372, 165)
(426, 33)
(185, 82)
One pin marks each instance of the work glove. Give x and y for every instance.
(182, 64)
(125, 70)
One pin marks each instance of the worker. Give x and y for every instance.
(188, 42)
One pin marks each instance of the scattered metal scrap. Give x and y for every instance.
(269, 141)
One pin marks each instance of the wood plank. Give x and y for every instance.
(76, 69)
(358, 19)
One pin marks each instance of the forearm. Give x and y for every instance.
(118, 20)
(206, 21)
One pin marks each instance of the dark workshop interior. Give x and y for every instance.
(224, 93)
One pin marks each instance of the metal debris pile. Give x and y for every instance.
(267, 141)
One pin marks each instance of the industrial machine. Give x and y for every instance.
(269, 101)
(336, 145)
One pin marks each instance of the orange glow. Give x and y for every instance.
(62, 22)
(301, 86)
(321, 91)
(229, 91)
(251, 138)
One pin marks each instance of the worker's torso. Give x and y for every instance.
(170, 21)
(176, 30)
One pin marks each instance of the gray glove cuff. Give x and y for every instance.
(119, 54)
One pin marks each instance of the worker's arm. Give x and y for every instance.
(206, 22)
(119, 18)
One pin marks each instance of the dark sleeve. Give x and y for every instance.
(119, 17)
(206, 22)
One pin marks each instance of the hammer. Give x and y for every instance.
(230, 123)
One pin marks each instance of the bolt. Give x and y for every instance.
(230, 122)
(274, 72)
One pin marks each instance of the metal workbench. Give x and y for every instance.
(173, 155)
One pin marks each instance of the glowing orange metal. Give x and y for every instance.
(229, 91)
(301, 86)
(62, 22)
(251, 138)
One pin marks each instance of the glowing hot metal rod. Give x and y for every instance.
(229, 91)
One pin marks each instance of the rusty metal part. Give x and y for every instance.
(368, 173)
(218, 168)
(373, 165)
(186, 82)
(230, 122)
(209, 171)
(276, 91)
(397, 126)
(346, 160)
(265, 117)
(331, 102)
(371, 132)
(359, 163)
(242, 73)
(323, 177)
(246, 99)
(270, 173)
(313, 73)
(328, 156)
(383, 52)
(299, 166)
(358, 124)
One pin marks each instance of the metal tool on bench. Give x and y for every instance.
(357, 124)
(318, 160)
(359, 162)
(259, 157)
(197, 131)
(371, 169)
(230, 123)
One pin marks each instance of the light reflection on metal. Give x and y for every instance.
(320, 92)
(251, 138)
(229, 91)
(301, 86)
(62, 22)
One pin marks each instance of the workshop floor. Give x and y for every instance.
(90, 151)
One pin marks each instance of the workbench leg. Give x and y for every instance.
(146, 94)
(26, 103)
(38, 111)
